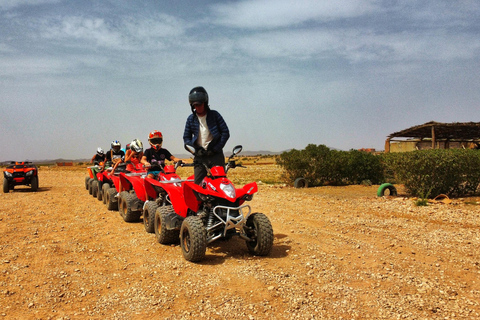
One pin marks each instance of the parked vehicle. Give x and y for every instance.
(215, 210)
(20, 173)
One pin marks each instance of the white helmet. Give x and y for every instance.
(136, 145)
(100, 152)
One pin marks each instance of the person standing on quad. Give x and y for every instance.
(115, 154)
(206, 130)
(154, 157)
(98, 157)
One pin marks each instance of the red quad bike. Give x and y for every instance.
(20, 173)
(91, 182)
(110, 184)
(158, 194)
(131, 200)
(214, 210)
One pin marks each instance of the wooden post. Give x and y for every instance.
(387, 145)
(433, 137)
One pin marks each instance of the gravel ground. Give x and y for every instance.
(339, 253)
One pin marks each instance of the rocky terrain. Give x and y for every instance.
(339, 253)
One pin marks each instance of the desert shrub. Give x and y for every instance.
(428, 173)
(320, 165)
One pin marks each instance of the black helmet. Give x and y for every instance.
(198, 94)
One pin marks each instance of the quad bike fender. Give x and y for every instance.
(126, 185)
(90, 173)
(136, 183)
(191, 201)
(116, 181)
(247, 189)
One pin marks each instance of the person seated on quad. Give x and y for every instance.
(115, 154)
(98, 157)
(132, 160)
(155, 156)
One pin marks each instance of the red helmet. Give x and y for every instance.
(155, 138)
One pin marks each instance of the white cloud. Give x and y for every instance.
(9, 4)
(252, 14)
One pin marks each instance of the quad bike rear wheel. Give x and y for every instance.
(90, 186)
(125, 207)
(193, 239)
(259, 229)
(163, 235)
(94, 187)
(99, 190)
(149, 216)
(112, 203)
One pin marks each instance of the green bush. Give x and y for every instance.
(428, 173)
(320, 165)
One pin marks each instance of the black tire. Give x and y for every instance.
(149, 216)
(87, 180)
(259, 228)
(125, 207)
(90, 186)
(112, 203)
(300, 183)
(34, 183)
(193, 239)
(6, 187)
(163, 235)
(94, 187)
(105, 187)
(100, 191)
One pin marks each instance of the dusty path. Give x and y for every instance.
(339, 253)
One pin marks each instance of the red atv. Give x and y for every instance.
(214, 210)
(158, 192)
(20, 173)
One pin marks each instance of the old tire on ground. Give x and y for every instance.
(163, 235)
(300, 183)
(112, 203)
(149, 216)
(125, 206)
(105, 188)
(6, 188)
(193, 239)
(87, 180)
(386, 186)
(259, 228)
(94, 187)
(34, 183)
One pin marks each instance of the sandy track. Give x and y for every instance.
(339, 252)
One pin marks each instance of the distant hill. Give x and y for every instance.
(181, 156)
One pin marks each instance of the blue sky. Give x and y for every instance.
(75, 75)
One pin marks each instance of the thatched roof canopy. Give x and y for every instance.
(441, 131)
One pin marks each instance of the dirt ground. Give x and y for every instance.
(339, 253)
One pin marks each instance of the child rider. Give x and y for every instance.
(154, 157)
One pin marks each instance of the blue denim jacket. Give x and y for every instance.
(217, 126)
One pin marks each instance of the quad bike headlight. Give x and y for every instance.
(29, 173)
(7, 174)
(228, 189)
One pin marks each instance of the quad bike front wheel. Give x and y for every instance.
(149, 216)
(259, 229)
(94, 187)
(105, 187)
(6, 187)
(34, 183)
(87, 180)
(111, 201)
(163, 235)
(125, 207)
(193, 239)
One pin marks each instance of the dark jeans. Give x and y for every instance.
(217, 159)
